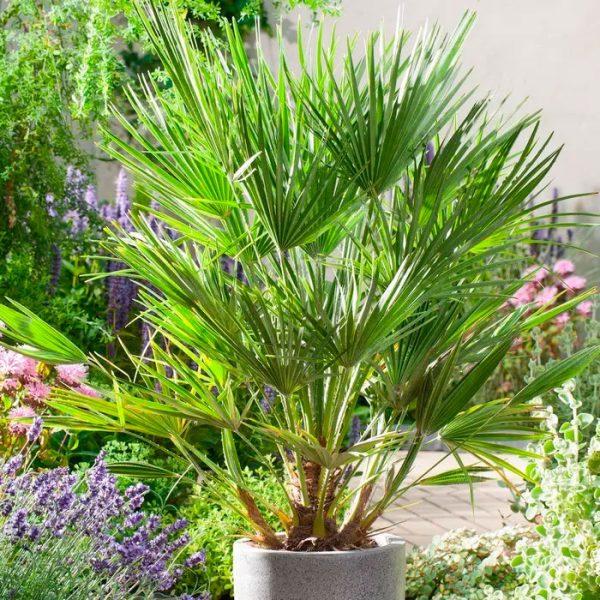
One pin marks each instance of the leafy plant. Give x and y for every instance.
(564, 563)
(163, 491)
(571, 339)
(365, 273)
(465, 565)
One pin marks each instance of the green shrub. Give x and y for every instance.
(570, 340)
(559, 559)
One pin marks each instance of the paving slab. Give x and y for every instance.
(425, 512)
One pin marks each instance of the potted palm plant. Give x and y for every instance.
(362, 208)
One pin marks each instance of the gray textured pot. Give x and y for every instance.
(373, 574)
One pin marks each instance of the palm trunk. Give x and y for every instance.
(313, 530)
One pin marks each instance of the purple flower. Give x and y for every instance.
(34, 432)
(122, 201)
(198, 558)
(107, 212)
(91, 198)
(355, 431)
(12, 465)
(55, 269)
(429, 153)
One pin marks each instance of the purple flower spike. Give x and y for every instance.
(34, 432)
(107, 212)
(355, 430)
(198, 558)
(429, 153)
(55, 269)
(268, 400)
(91, 198)
(12, 465)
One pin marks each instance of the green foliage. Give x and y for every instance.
(163, 491)
(364, 272)
(571, 339)
(565, 562)
(465, 565)
(214, 528)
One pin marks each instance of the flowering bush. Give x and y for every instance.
(63, 537)
(549, 288)
(25, 384)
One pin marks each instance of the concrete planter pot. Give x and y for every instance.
(373, 574)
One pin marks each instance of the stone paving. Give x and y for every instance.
(425, 512)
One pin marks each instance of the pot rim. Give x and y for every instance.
(384, 542)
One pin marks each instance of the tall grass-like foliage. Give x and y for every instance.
(365, 272)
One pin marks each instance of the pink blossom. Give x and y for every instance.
(540, 273)
(12, 363)
(9, 386)
(86, 390)
(585, 308)
(37, 393)
(18, 428)
(563, 267)
(575, 282)
(30, 368)
(562, 319)
(71, 374)
(523, 295)
(517, 343)
(546, 295)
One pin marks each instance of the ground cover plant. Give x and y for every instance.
(365, 273)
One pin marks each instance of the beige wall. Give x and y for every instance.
(545, 50)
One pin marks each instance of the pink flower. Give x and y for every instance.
(12, 363)
(86, 390)
(540, 273)
(17, 428)
(9, 386)
(585, 308)
(546, 295)
(575, 282)
(30, 368)
(563, 267)
(562, 319)
(37, 393)
(71, 374)
(523, 295)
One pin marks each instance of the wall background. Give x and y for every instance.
(545, 51)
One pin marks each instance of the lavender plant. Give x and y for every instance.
(62, 537)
